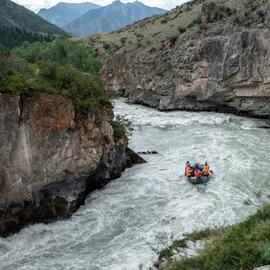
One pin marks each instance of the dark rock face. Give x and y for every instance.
(52, 157)
(224, 68)
(210, 12)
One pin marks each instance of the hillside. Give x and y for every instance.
(64, 13)
(110, 18)
(13, 15)
(203, 55)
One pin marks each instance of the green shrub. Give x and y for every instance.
(62, 67)
(181, 29)
(122, 127)
(123, 40)
(106, 46)
(173, 39)
(225, 10)
(196, 21)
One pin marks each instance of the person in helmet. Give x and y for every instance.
(205, 169)
(198, 174)
(188, 169)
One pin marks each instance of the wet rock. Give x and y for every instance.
(248, 202)
(148, 153)
(267, 267)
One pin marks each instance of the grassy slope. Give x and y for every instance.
(151, 33)
(243, 246)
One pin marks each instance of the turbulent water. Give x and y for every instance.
(120, 224)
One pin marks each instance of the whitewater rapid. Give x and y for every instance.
(120, 224)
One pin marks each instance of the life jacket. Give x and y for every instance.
(206, 170)
(188, 172)
(197, 173)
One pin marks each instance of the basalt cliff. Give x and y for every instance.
(52, 156)
(201, 56)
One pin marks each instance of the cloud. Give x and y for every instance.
(38, 4)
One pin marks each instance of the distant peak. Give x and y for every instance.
(117, 2)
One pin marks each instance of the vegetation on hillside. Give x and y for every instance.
(11, 37)
(13, 15)
(61, 67)
(243, 246)
(153, 34)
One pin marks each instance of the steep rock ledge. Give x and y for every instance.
(52, 157)
(224, 67)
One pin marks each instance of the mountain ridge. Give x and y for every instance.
(64, 13)
(110, 18)
(14, 15)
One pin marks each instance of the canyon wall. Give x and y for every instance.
(222, 64)
(52, 156)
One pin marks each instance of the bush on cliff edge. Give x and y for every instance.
(61, 67)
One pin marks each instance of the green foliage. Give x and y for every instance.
(226, 10)
(61, 67)
(173, 39)
(123, 40)
(11, 37)
(242, 246)
(122, 127)
(253, 5)
(10, 81)
(196, 21)
(164, 20)
(176, 245)
(167, 252)
(62, 52)
(106, 46)
(181, 29)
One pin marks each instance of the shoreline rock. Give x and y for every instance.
(52, 157)
(60, 200)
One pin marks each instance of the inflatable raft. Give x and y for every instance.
(195, 181)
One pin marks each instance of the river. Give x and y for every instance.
(119, 224)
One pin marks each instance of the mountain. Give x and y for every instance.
(110, 18)
(13, 15)
(201, 56)
(64, 13)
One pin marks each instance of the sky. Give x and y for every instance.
(36, 5)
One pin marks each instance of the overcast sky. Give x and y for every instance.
(35, 5)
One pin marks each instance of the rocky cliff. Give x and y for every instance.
(200, 56)
(52, 156)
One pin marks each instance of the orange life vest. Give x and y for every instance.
(189, 172)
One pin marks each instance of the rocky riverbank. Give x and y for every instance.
(52, 157)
